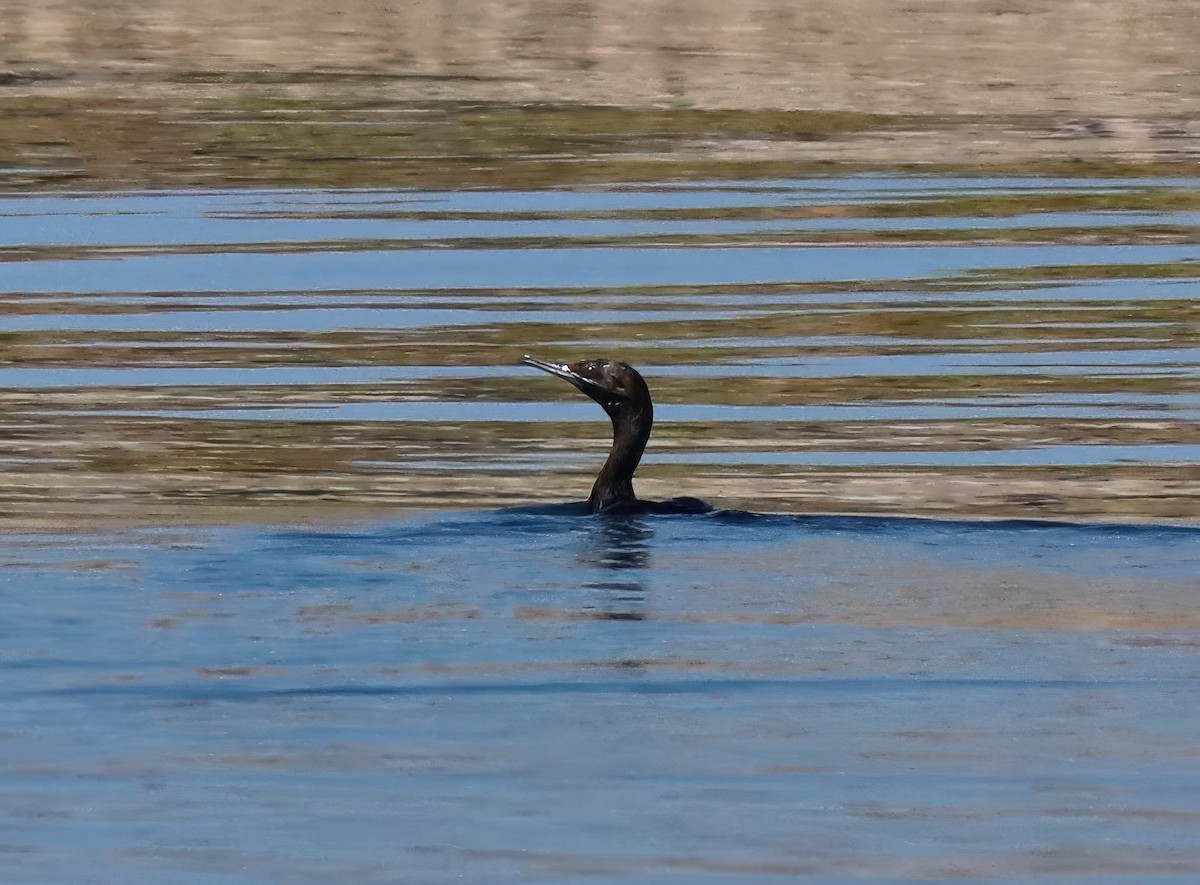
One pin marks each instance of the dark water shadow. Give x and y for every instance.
(623, 543)
(229, 691)
(621, 566)
(869, 524)
(534, 517)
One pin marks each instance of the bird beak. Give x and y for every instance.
(552, 368)
(587, 385)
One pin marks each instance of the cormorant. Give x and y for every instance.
(622, 393)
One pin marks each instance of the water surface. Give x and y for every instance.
(539, 695)
(1012, 346)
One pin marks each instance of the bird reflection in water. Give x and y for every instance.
(619, 544)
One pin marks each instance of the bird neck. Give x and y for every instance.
(614, 485)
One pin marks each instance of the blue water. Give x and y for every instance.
(257, 685)
(512, 268)
(541, 696)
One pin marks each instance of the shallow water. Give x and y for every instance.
(538, 695)
(885, 344)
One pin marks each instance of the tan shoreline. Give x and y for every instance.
(1101, 58)
(999, 83)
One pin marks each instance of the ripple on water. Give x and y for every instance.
(358, 348)
(288, 590)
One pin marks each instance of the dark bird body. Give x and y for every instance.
(622, 393)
